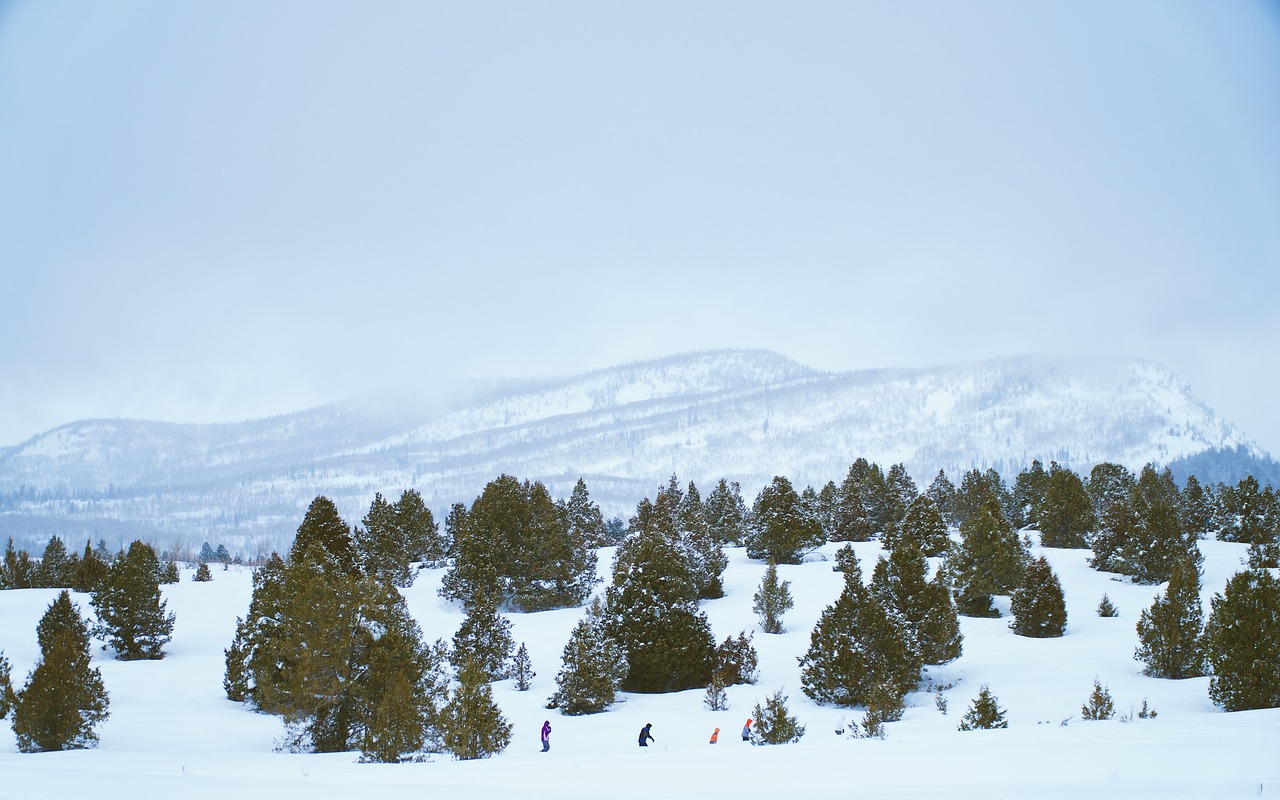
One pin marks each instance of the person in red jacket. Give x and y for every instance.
(715, 735)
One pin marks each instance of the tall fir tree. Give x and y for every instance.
(1028, 493)
(1170, 632)
(943, 494)
(851, 517)
(54, 568)
(706, 555)
(772, 600)
(1199, 508)
(324, 536)
(1242, 640)
(64, 700)
(132, 615)
(1038, 608)
(484, 640)
(472, 725)
(726, 513)
(921, 524)
(586, 522)
(901, 583)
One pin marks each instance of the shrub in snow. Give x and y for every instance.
(1106, 608)
(64, 700)
(202, 573)
(522, 669)
(736, 660)
(984, 712)
(1038, 608)
(773, 724)
(592, 671)
(484, 638)
(471, 724)
(6, 687)
(1099, 704)
(922, 525)
(716, 698)
(1242, 638)
(1170, 631)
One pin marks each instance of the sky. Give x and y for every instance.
(223, 210)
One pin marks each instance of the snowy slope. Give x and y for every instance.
(172, 734)
(743, 415)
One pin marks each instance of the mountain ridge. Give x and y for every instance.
(744, 415)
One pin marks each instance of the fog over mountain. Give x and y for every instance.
(744, 415)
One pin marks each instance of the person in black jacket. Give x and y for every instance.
(645, 736)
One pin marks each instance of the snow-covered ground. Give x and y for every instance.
(173, 734)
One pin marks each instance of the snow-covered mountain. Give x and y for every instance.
(742, 415)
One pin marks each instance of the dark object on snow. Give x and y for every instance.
(645, 736)
(546, 735)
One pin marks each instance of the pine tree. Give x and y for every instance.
(900, 583)
(736, 660)
(1151, 548)
(1106, 608)
(53, 570)
(522, 669)
(202, 573)
(1108, 484)
(921, 524)
(253, 657)
(1198, 508)
(652, 612)
(706, 555)
(586, 522)
(772, 600)
(1029, 490)
(989, 561)
(593, 669)
(17, 571)
(857, 647)
(1064, 513)
(323, 536)
(64, 699)
(726, 513)
(131, 613)
(472, 724)
(7, 697)
(784, 528)
(1038, 608)
(774, 723)
(89, 571)
(943, 494)
(1170, 631)
(1099, 705)
(846, 559)
(984, 713)
(851, 517)
(417, 530)
(716, 698)
(979, 492)
(1242, 639)
(484, 640)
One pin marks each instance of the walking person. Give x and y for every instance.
(546, 736)
(715, 736)
(645, 736)
(746, 731)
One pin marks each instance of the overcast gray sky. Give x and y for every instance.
(221, 210)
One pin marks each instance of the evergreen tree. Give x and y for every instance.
(7, 697)
(1029, 490)
(1106, 608)
(64, 699)
(846, 559)
(417, 529)
(592, 672)
(323, 536)
(380, 553)
(774, 723)
(857, 648)
(1242, 639)
(202, 573)
(89, 571)
(922, 525)
(586, 522)
(901, 584)
(17, 572)
(1099, 705)
(1064, 513)
(726, 513)
(253, 655)
(1151, 548)
(706, 556)
(716, 698)
(131, 613)
(1108, 484)
(828, 509)
(984, 713)
(1038, 608)
(472, 724)
(899, 492)
(522, 669)
(1199, 513)
(784, 528)
(851, 517)
(1248, 513)
(484, 640)
(652, 612)
(979, 492)
(989, 561)
(736, 661)
(772, 600)
(943, 494)
(53, 569)
(1170, 631)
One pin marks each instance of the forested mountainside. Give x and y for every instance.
(741, 415)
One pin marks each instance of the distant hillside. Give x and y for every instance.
(742, 415)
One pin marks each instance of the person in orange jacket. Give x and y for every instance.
(715, 735)
(746, 731)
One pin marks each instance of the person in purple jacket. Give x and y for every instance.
(546, 736)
